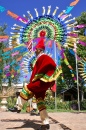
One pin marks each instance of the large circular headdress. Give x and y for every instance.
(47, 25)
(51, 27)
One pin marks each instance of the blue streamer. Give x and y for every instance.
(71, 51)
(7, 57)
(6, 53)
(13, 62)
(69, 8)
(2, 9)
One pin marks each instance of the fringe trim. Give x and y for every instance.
(26, 93)
(41, 104)
(46, 78)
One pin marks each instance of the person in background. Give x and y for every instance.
(18, 101)
(33, 110)
(43, 76)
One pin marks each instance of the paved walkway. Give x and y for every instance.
(58, 121)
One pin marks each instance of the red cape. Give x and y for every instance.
(44, 67)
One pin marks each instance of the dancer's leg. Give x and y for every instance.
(43, 114)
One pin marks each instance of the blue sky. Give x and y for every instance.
(21, 7)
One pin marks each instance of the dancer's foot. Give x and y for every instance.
(33, 112)
(14, 109)
(44, 127)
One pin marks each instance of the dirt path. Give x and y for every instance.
(58, 121)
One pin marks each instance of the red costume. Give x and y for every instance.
(40, 79)
(43, 77)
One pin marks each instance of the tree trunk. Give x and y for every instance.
(82, 96)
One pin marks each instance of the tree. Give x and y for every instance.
(2, 32)
(6, 59)
(66, 81)
(82, 20)
(81, 50)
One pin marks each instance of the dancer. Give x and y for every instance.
(33, 110)
(43, 76)
(18, 101)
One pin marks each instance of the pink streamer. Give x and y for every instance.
(8, 74)
(62, 54)
(2, 40)
(74, 78)
(16, 53)
(25, 76)
(7, 67)
(82, 43)
(15, 73)
(63, 16)
(78, 58)
(80, 26)
(22, 19)
(50, 43)
(72, 34)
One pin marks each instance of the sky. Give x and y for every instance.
(21, 7)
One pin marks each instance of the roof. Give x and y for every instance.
(70, 90)
(13, 85)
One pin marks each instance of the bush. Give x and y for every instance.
(49, 100)
(83, 105)
(11, 102)
(63, 105)
(25, 107)
(74, 105)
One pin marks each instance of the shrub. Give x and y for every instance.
(74, 105)
(49, 100)
(83, 105)
(63, 105)
(25, 107)
(11, 102)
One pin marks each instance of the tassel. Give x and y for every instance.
(25, 16)
(18, 26)
(69, 20)
(43, 11)
(71, 25)
(66, 17)
(55, 11)
(49, 9)
(30, 15)
(61, 14)
(36, 12)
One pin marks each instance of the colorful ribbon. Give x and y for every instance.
(72, 4)
(82, 43)
(2, 9)
(80, 26)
